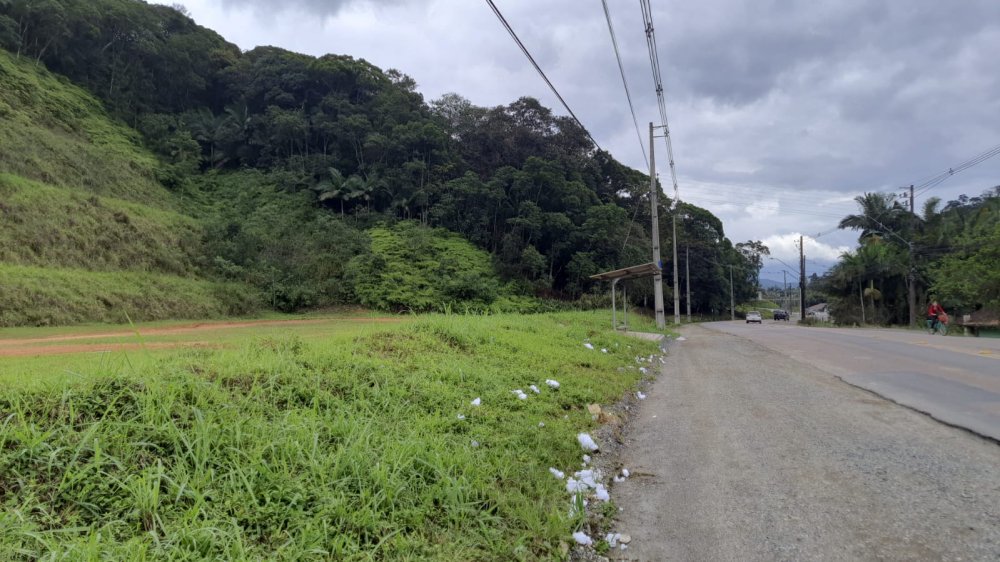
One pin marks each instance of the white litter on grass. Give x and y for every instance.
(520, 394)
(574, 486)
(604, 350)
(587, 478)
(461, 416)
(541, 424)
(602, 493)
(581, 538)
(535, 389)
(612, 539)
(586, 459)
(682, 338)
(552, 383)
(476, 402)
(643, 370)
(587, 442)
(640, 395)
(475, 443)
(588, 345)
(557, 473)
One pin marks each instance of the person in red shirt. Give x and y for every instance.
(933, 312)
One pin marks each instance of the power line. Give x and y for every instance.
(539, 69)
(974, 161)
(654, 63)
(621, 68)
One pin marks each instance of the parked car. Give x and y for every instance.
(754, 316)
(781, 315)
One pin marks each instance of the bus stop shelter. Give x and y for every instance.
(624, 274)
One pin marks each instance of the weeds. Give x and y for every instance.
(291, 449)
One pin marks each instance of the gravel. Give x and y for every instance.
(740, 453)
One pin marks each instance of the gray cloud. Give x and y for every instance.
(318, 7)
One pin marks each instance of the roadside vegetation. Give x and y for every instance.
(350, 448)
(953, 249)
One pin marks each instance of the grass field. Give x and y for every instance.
(335, 439)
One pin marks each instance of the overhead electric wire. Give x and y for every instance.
(539, 69)
(654, 63)
(621, 68)
(974, 161)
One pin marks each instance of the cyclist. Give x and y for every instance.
(934, 311)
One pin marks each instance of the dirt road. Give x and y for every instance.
(740, 453)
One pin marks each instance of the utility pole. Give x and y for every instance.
(911, 276)
(687, 277)
(655, 230)
(732, 301)
(784, 290)
(677, 287)
(802, 280)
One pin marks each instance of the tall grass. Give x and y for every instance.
(56, 133)
(32, 296)
(350, 449)
(69, 228)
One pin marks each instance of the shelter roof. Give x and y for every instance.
(631, 272)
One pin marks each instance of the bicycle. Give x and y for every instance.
(937, 326)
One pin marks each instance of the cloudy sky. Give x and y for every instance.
(781, 111)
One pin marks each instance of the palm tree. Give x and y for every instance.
(880, 214)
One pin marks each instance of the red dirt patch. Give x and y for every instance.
(12, 347)
(97, 348)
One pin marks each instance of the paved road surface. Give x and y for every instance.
(739, 453)
(954, 379)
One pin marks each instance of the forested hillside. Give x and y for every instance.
(313, 181)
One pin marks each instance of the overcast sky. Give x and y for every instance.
(781, 111)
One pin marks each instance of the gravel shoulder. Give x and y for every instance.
(739, 453)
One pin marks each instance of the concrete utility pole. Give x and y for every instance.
(732, 301)
(677, 287)
(802, 280)
(658, 276)
(784, 290)
(687, 277)
(911, 276)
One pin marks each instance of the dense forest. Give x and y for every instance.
(319, 181)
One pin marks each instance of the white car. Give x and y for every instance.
(754, 316)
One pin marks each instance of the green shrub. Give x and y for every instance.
(415, 268)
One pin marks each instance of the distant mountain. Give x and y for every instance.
(771, 284)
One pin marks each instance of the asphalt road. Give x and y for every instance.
(954, 379)
(741, 453)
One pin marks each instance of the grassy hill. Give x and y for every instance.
(86, 231)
